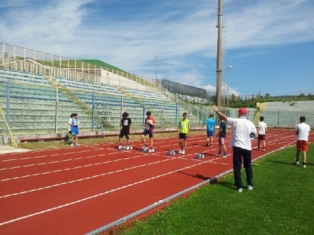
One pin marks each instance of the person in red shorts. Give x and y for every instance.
(302, 131)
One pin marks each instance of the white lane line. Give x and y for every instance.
(41, 156)
(95, 196)
(72, 181)
(8, 160)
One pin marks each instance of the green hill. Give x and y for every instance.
(102, 64)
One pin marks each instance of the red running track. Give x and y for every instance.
(77, 190)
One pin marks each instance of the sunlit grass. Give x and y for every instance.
(280, 203)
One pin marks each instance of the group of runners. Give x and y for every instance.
(183, 130)
(242, 132)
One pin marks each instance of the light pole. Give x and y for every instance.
(229, 67)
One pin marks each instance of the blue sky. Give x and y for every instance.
(269, 44)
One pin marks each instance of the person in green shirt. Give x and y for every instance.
(183, 130)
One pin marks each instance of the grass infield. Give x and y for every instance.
(280, 203)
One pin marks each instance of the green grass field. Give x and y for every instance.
(280, 203)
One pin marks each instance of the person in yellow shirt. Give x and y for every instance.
(183, 130)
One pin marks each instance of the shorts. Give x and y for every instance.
(221, 140)
(75, 130)
(302, 145)
(210, 133)
(125, 133)
(261, 137)
(149, 132)
(183, 136)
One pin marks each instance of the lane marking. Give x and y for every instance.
(95, 196)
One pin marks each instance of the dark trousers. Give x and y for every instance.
(238, 153)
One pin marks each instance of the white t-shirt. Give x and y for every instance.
(241, 128)
(262, 128)
(70, 123)
(303, 130)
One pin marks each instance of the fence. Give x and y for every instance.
(37, 62)
(31, 108)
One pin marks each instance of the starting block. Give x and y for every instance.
(199, 155)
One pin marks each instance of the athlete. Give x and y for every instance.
(75, 129)
(210, 123)
(150, 124)
(302, 131)
(183, 130)
(221, 139)
(261, 130)
(125, 130)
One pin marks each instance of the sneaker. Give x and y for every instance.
(183, 152)
(250, 187)
(239, 190)
(180, 151)
(120, 147)
(218, 155)
(130, 146)
(296, 162)
(225, 155)
(77, 145)
(144, 147)
(151, 150)
(304, 166)
(72, 145)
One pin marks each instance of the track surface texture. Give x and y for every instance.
(77, 190)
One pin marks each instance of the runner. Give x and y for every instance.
(183, 130)
(150, 124)
(125, 130)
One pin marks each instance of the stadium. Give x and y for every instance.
(49, 186)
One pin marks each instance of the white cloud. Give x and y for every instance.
(183, 34)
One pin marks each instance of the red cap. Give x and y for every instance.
(242, 110)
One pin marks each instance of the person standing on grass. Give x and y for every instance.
(75, 129)
(302, 131)
(183, 130)
(261, 130)
(221, 139)
(125, 130)
(210, 124)
(241, 130)
(150, 124)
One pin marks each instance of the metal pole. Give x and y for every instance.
(93, 110)
(57, 104)
(219, 55)
(229, 67)
(8, 105)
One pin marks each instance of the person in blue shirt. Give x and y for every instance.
(210, 123)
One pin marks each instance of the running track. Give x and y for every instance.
(77, 190)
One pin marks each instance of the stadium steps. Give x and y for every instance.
(147, 107)
(77, 101)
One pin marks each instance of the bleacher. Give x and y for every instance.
(72, 84)
(25, 77)
(287, 114)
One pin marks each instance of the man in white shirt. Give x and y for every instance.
(262, 128)
(302, 131)
(241, 132)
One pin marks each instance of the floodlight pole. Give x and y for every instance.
(219, 55)
(229, 67)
